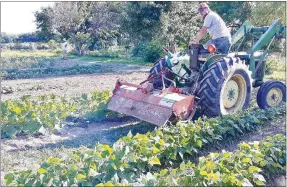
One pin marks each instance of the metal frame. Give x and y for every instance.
(265, 36)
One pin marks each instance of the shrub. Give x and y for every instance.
(137, 49)
(274, 64)
(53, 44)
(106, 53)
(152, 51)
(42, 46)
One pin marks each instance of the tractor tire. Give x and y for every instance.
(225, 88)
(271, 94)
(157, 81)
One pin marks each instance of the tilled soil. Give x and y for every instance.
(68, 86)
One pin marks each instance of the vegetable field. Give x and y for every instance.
(56, 83)
(161, 157)
(56, 131)
(203, 152)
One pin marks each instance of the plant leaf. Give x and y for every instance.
(154, 161)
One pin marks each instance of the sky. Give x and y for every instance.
(18, 17)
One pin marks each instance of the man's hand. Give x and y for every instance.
(192, 42)
(200, 35)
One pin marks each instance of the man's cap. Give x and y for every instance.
(203, 5)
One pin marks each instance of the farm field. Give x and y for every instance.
(209, 109)
(81, 134)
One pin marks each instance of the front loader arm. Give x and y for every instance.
(241, 33)
(270, 32)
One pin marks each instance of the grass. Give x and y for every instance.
(123, 60)
(51, 71)
(20, 53)
(18, 59)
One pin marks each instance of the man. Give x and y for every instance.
(216, 27)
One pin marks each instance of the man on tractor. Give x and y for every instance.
(216, 27)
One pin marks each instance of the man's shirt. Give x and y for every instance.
(216, 26)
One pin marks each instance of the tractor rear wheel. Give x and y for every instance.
(225, 88)
(271, 94)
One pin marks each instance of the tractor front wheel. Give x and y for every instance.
(271, 94)
(225, 88)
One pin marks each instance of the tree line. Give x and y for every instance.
(95, 25)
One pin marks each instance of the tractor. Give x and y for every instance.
(204, 81)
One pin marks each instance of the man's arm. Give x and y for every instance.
(201, 34)
(207, 23)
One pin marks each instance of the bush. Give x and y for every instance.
(20, 46)
(279, 47)
(27, 46)
(106, 53)
(152, 51)
(53, 45)
(149, 52)
(274, 64)
(137, 50)
(42, 46)
(58, 51)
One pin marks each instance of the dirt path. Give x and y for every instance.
(68, 86)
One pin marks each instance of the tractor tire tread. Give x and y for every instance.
(212, 82)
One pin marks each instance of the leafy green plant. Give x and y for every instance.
(29, 116)
(152, 51)
(247, 166)
(131, 155)
(274, 65)
(50, 71)
(106, 53)
(93, 106)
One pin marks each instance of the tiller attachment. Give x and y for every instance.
(154, 106)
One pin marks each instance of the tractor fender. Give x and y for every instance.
(211, 60)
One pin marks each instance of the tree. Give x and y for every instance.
(264, 13)
(232, 11)
(27, 37)
(105, 22)
(5, 38)
(44, 23)
(180, 24)
(141, 20)
(71, 20)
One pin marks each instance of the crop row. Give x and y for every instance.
(50, 71)
(132, 156)
(46, 112)
(248, 166)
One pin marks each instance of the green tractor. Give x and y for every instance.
(205, 81)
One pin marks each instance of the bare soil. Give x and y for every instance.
(68, 86)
